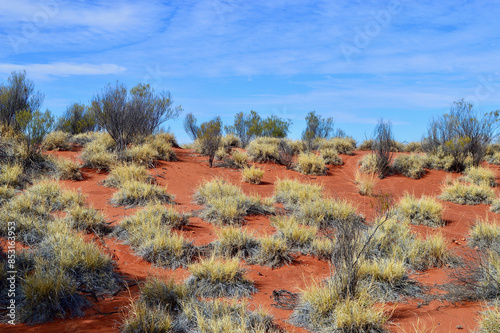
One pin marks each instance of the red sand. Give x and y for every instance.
(182, 178)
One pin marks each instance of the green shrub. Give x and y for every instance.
(252, 175)
(411, 166)
(310, 164)
(76, 120)
(479, 175)
(425, 211)
(136, 193)
(467, 194)
(219, 278)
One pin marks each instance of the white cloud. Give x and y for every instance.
(62, 69)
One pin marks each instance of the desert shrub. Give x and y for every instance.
(238, 159)
(426, 210)
(221, 154)
(56, 140)
(67, 169)
(297, 146)
(76, 120)
(479, 175)
(366, 145)
(143, 318)
(316, 128)
(84, 138)
(98, 154)
(226, 204)
(342, 145)
(414, 147)
(49, 194)
(323, 248)
(11, 174)
(47, 295)
(383, 144)
(163, 148)
(310, 164)
(136, 193)
(252, 175)
(327, 213)
(273, 252)
(494, 158)
(209, 138)
(88, 219)
(264, 149)
(297, 237)
(368, 164)
(234, 242)
(230, 140)
(122, 173)
(412, 166)
(144, 154)
(149, 233)
(322, 309)
(484, 234)
(134, 114)
(6, 193)
(438, 159)
(330, 156)
(291, 192)
(365, 183)
(490, 321)
(393, 239)
(467, 194)
(219, 278)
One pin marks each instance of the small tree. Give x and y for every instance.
(18, 96)
(127, 116)
(316, 128)
(275, 127)
(382, 147)
(77, 119)
(190, 126)
(209, 136)
(460, 133)
(36, 125)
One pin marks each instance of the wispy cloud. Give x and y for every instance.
(61, 69)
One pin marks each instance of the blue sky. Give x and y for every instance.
(355, 61)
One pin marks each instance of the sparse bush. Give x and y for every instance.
(76, 120)
(234, 242)
(365, 183)
(316, 128)
(460, 133)
(209, 138)
(273, 252)
(123, 173)
(411, 166)
(479, 175)
(264, 150)
(134, 114)
(330, 156)
(285, 154)
(136, 193)
(425, 211)
(252, 174)
(191, 127)
(219, 278)
(383, 147)
(467, 194)
(56, 140)
(310, 164)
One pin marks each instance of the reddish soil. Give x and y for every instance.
(182, 178)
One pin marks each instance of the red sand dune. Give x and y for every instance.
(182, 178)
